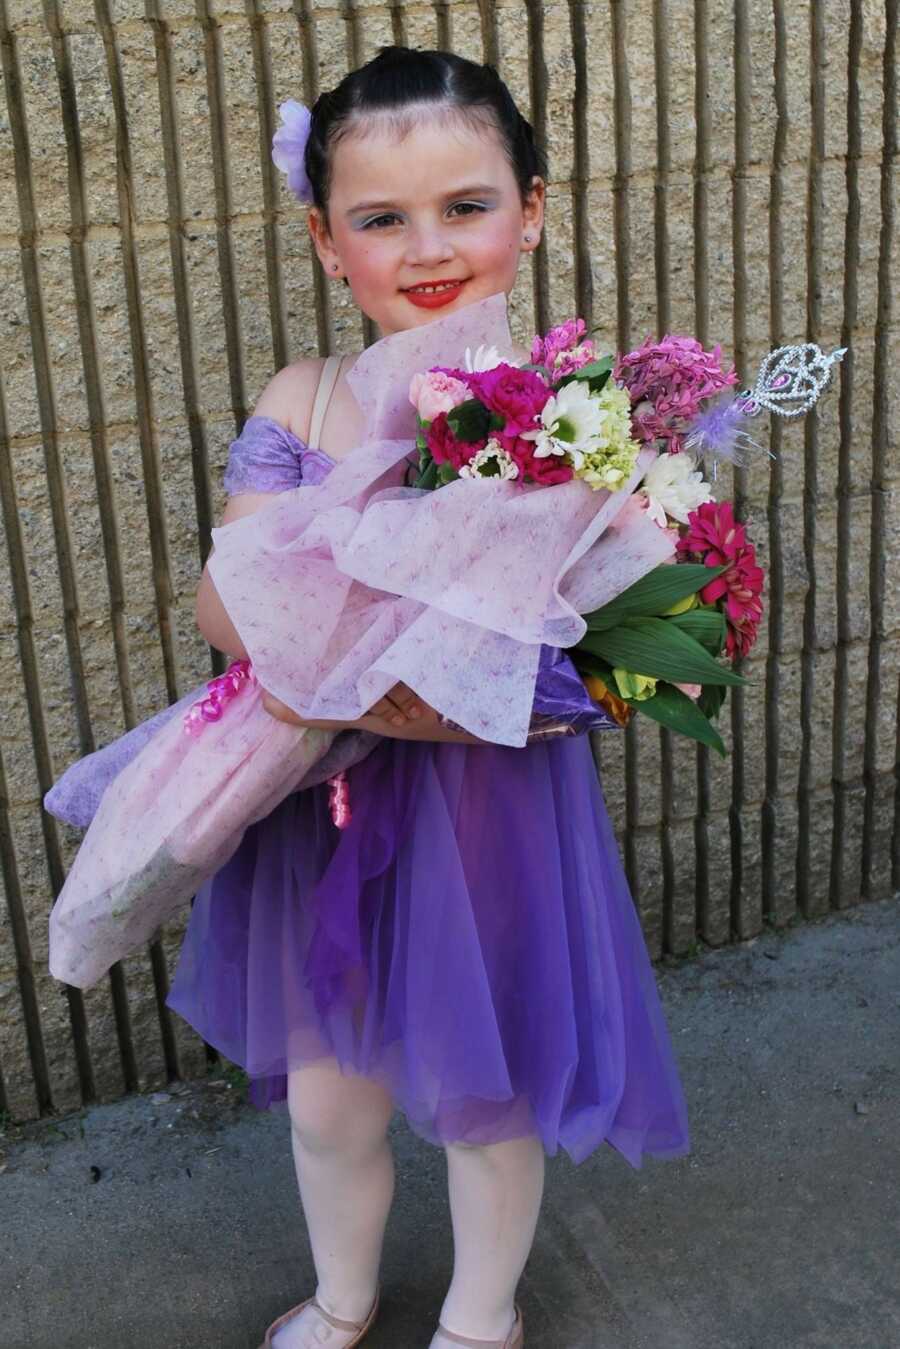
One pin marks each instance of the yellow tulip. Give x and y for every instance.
(682, 606)
(638, 687)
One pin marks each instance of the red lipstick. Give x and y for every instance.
(437, 298)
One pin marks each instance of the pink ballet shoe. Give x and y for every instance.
(328, 1323)
(514, 1340)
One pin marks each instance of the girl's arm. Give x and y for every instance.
(287, 394)
(425, 727)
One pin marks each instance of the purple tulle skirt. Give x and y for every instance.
(469, 942)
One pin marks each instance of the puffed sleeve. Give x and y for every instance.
(264, 458)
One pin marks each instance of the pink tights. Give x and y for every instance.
(345, 1174)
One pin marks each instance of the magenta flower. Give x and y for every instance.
(444, 446)
(518, 396)
(716, 539)
(668, 381)
(547, 471)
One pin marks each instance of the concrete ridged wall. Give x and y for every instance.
(726, 169)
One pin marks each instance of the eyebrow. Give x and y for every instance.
(473, 190)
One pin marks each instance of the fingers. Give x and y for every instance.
(399, 705)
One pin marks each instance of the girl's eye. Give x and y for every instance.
(465, 207)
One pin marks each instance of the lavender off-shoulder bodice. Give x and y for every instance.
(267, 457)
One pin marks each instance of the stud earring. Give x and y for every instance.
(335, 266)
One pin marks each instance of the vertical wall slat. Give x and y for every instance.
(882, 432)
(805, 786)
(159, 546)
(702, 169)
(218, 139)
(662, 268)
(742, 924)
(581, 166)
(772, 824)
(850, 308)
(537, 84)
(622, 241)
(309, 49)
(266, 112)
(90, 360)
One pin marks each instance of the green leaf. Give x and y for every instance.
(662, 587)
(470, 421)
(705, 624)
(447, 473)
(428, 477)
(595, 374)
(658, 647)
(586, 662)
(672, 708)
(711, 700)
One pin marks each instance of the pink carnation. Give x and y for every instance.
(435, 392)
(518, 396)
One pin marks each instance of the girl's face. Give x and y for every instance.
(439, 205)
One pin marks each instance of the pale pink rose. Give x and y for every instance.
(692, 690)
(434, 392)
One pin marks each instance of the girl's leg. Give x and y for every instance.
(495, 1199)
(345, 1173)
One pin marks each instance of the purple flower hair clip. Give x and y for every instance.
(289, 147)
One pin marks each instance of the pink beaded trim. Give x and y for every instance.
(219, 691)
(339, 800)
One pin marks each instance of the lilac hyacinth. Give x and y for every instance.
(562, 351)
(668, 382)
(289, 147)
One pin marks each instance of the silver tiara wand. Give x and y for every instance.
(789, 383)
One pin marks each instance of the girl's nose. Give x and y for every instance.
(427, 246)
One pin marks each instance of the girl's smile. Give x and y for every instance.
(424, 216)
(434, 294)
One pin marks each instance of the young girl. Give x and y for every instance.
(489, 975)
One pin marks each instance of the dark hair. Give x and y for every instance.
(400, 76)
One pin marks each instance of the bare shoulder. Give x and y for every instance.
(288, 397)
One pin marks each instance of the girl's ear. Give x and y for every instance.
(533, 215)
(324, 247)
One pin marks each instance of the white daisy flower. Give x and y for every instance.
(491, 462)
(571, 423)
(486, 358)
(673, 486)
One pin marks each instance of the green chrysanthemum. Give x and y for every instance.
(612, 455)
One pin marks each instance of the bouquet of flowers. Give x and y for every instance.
(572, 414)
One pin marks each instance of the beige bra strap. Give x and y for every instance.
(331, 367)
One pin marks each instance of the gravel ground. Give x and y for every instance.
(172, 1219)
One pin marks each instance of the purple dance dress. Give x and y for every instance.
(469, 940)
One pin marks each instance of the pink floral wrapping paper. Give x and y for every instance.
(340, 591)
